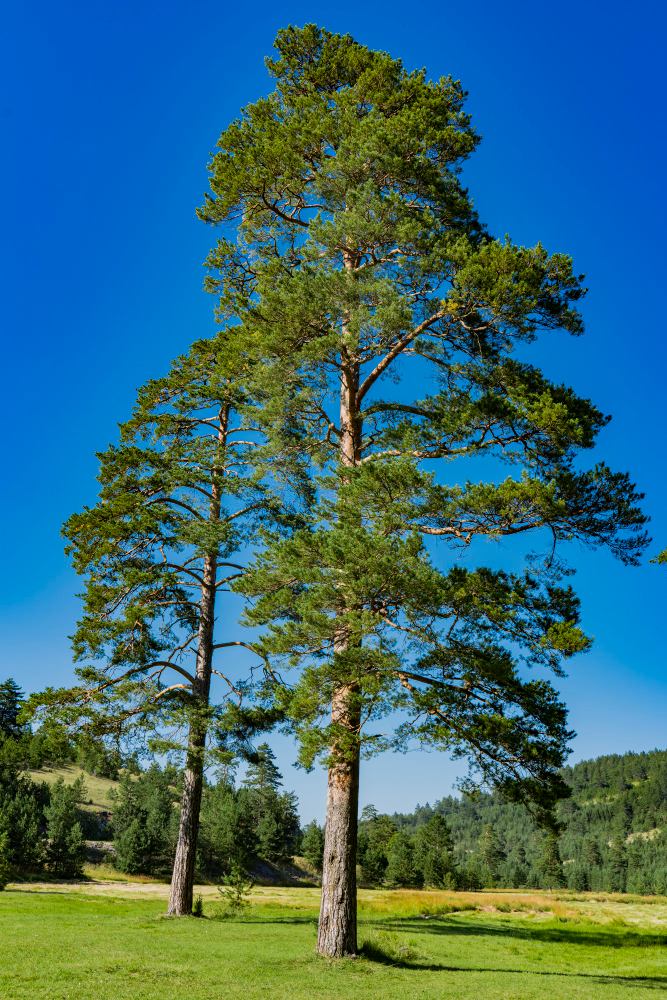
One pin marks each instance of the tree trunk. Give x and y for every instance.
(337, 930)
(183, 873)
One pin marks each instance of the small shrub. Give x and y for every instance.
(235, 890)
(389, 949)
(198, 906)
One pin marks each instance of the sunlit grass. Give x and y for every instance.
(106, 941)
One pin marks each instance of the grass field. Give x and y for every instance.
(109, 941)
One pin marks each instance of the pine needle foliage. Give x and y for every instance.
(179, 500)
(389, 324)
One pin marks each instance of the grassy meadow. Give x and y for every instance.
(110, 941)
(97, 789)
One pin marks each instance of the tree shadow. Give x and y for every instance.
(250, 919)
(375, 953)
(547, 934)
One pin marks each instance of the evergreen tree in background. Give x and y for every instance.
(145, 822)
(591, 853)
(618, 865)
(179, 498)
(312, 845)
(433, 857)
(275, 813)
(351, 258)
(5, 862)
(65, 848)
(21, 819)
(552, 867)
(492, 855)
(375, 833)
(229, 832)
(262, 775)
(11, 701)
(400, 869)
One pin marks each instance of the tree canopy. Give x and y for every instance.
(384, 323)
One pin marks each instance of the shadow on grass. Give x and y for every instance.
(550, 934)
(374, 952)
(250, 919)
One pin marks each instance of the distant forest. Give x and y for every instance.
(614, 825)
(614, 833)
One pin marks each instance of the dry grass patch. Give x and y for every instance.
(97, 789)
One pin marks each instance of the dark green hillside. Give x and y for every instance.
(614, 830)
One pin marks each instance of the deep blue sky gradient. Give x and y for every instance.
(109, 112)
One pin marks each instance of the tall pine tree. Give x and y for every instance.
(387, 321)
(179, 499)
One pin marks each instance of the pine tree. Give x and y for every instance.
(591, 853)
(178, 500)
(433, 852)
(65, 844)
(11, 702)
(275, 814)
(312, 845)
(263, 775)
(229, 829)
(375, 834)
(21, 819)
(144, 823)
(551, 864)
(351, 259)
(579, 878)
(400, 861)
(491, 854)
(617, 866)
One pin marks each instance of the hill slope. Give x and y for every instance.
(616, 818)
(97, 788)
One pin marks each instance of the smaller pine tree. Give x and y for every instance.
(65, 845)
(433, 852)
(591, 853)
(400, 861)
(579, 878)
(312, 845)
(11, 702)
(617, 867)
(551, 865)
(235, 890)
(492, 856)
(375, 833)
(263, 773)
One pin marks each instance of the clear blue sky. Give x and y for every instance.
(109, 112)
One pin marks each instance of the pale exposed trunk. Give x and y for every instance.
(183, 873)
(337, 930)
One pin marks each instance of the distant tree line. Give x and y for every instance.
(614, 835)
(240, 826)
(44, 827)
(614, 825)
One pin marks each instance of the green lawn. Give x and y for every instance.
(106, 944)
